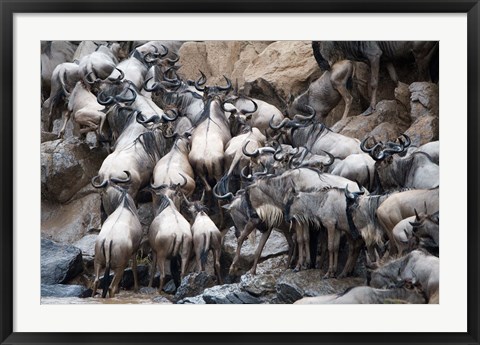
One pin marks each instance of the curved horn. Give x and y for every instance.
(349, 195)
(229, 195)
(88, 80)
(332, 159)
(98, 185)
(162, 54)
(308, 117)
(166, 78)
(248, 154)
(119, 78)
(261, 173)
(175, 59)
(184, 181)
(267, 149)
(168, 136)
(153, 88)
(222, 105)
(118, 180)
(244, 176)
(279, 150)
(228, 87)
(157, 188)
(147, 58)
(203, 197)
(107, 101)
(280, 125)
(154, 118)
(255, 107)
(126, 99)
(407, 140)
(175, 115)
(200, 81)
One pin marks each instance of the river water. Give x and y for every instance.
(123, 297)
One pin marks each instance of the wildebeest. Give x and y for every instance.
(117, 242)
(416, 170)
(417, 267)
(206, 237)
(369, 295)
(372, 52)
(326, 92)
(169, 236)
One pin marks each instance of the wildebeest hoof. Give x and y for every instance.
(296, 269)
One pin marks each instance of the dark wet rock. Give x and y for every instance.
(145, 290)
(276, 245)
(258, 285)
(228, 294)
(47, 136)
(292, 286)
(59, 262)
(194, 284)
(127, 281)
(170, 287)
(87, 245)
(192, 300)
(161, 300)
(61, 290)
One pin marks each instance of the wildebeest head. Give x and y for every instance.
(210, 92)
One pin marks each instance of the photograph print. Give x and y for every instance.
(239, 172)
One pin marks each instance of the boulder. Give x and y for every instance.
(402, 94)
(87, 245)
(47, 136)
(423, 130)
(385, 131)
(68, 223)
(218, 58)
(228, 294)
(192, 300)
(258, 285)
(276, 245)
(59, 262)
(127, 279)
(294, 67)
(61, 290)
(66, 167)
(386, 111)
(292, 286)
(423, 99)
(194, 284)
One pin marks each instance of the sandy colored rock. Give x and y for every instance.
(423, 99)
(293, 69)
(385, 132)
(423, 130)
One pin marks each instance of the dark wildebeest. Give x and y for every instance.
(372, 52)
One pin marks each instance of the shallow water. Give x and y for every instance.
(123, 297)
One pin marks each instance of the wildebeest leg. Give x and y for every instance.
(288, 237)
(299, 230)
(67, 117)
(135, 273)
(153, 268)
(306, 241)
(392, 72)
(185, 255)
(115, 284)
(161, 268)
(97, 269)
(323, 246)
(251, 224)
(357, 245)
(331, 248)
(374, 59)
(423, 52)
(339, 80)
(260, 246)
(217, 252)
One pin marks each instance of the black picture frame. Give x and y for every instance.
(9, 8)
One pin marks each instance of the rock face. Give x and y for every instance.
(194, 284)
(59, 262)
(360, 127)
(68, 223)
(87, 245)
(276, 245)
(60, 290)
(292, 286)
(423, 99)
(293, 69)
(67, 166)
(423, 130)
(228, 294)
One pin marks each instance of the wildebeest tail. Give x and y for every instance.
(206, 246)
(106, 275)
(324, 65)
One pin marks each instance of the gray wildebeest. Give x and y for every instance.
(117, 242)
(369, 295)
(372, 52)
(169, 236)
(326, 92)
(417, 267)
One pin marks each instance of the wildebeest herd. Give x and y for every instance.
(209, 157)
